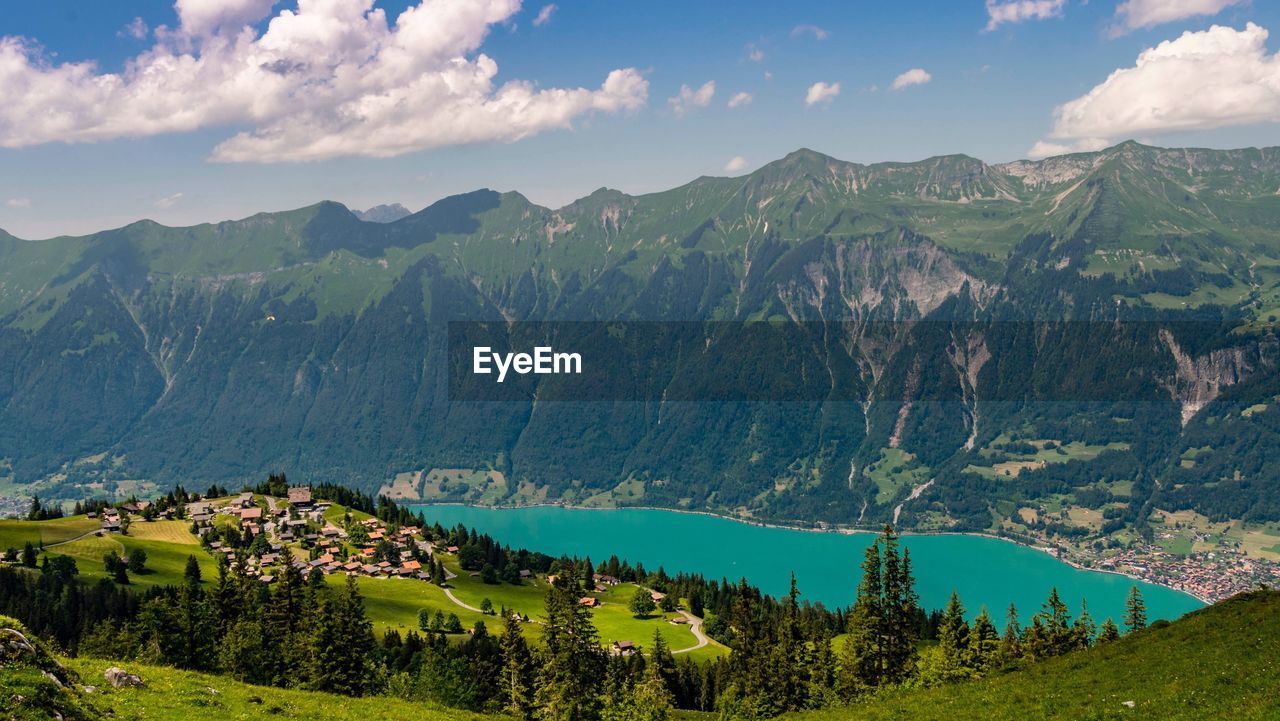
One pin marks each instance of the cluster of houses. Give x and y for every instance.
(302, 520)
(110, 517)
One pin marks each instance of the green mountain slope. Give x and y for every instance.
(1216, 663)
(313, 342)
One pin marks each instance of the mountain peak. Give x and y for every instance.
(388, 213)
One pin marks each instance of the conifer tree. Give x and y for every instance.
(192, 572)
(984, 643)
(900, 606)
(822, 672)
(516, 687)
(1084, 628)
(653, 699)
(573, 661)
(1109, 632)
(791, 656)
(1135, 611)
(1056, 619)
(1011, 641)
(859, 657)
(953, 641)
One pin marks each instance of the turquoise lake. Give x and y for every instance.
(985, 571)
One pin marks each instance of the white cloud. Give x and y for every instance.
(821, 92)
(205, 17)
(817, 32)
(18, 203)
(168, 201)
(755, 54)
(688, 99)
(544, 15)
(1134, 14)
(740, 99)
(136, 29)
(1214, 78)
(914, 76)
(330, 78)
(736, 164)
(1017, 11)
(1045, 148)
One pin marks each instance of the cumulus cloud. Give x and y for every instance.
(914, 76)
(1017, 11)
(18, 203)
(544, 15)
(204, 17)
(168, 201)
(1214, 78)
(1134, 14)
(1045, 148)
(755, 54)
(821, 92)
(688, 99)
(136, 29)
(740, 99)
(330, 78)
(812, 30)
(736, 164)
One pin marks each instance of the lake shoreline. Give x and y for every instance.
(835, 529)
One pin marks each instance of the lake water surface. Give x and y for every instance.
(985, 571)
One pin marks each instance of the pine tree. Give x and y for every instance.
(342, 645)
(860, 655)
(574, 662)
(660, 658)
(1056, 619)
(984, 643)
(29, 555)
(1011, 641)
(1084, 629)
(953, 641)
(822, 672)
(1110, 632)
(516, 685)
(791, 656)
(192, 572)
(1135, 613)
(653, 700)
(900, 607)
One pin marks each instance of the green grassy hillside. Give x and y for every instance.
(1222, 662)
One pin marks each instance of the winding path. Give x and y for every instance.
(695, 625)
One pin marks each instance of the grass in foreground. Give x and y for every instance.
(182, 695)
(1216, 663)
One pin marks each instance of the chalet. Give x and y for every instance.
(451, 549)
(552, 580)
(351, 566)
(300, 496)
(526, 573)
(411, 565)
(623, 648)
(657, 597)
(267, 578)
(589, 602)
(244, 500)
(606, 580)
(326, 558)
(252, 513)
(369, 569)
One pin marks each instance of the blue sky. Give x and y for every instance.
(78, 158)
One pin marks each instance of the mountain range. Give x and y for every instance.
(313, 341)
